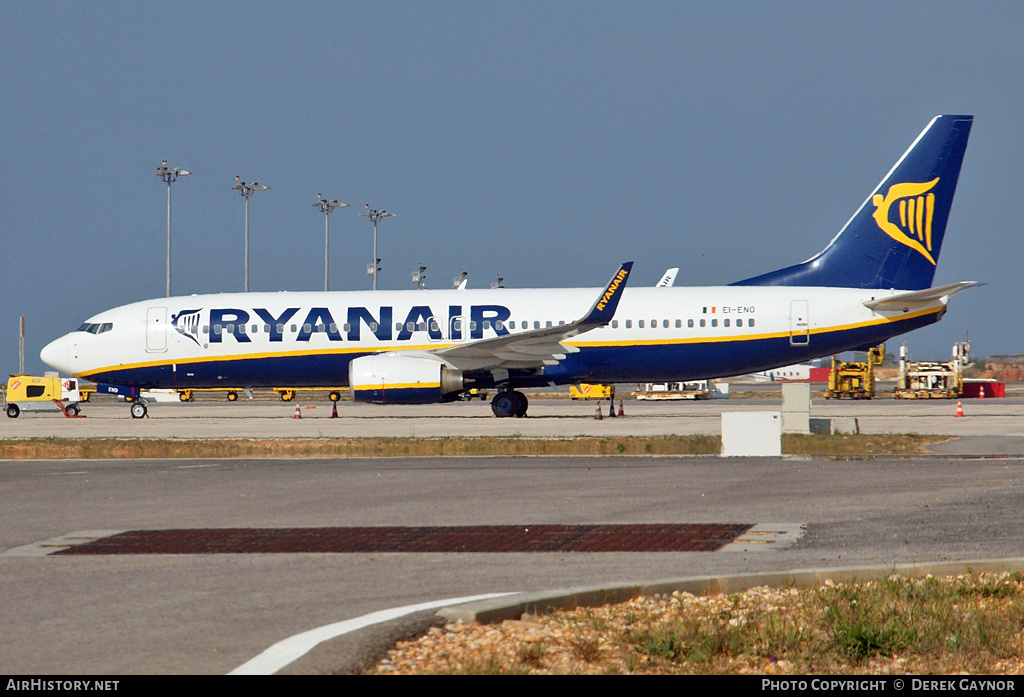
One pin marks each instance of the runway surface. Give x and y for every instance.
(212, 612)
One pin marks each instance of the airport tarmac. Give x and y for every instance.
(548, 418)
(188, 613)
(163, 613)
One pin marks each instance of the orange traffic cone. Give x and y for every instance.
(621, 413)
(959, 409)
(298, 414)
(334, 410)
(611, 408)
(981, 392)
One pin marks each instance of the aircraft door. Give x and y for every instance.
(156, 329)
(799, 323)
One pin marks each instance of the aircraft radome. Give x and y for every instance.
(873, 281)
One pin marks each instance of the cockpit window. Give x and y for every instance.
(96, 328)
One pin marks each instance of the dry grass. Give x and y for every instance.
(967, 624)
(115, 448)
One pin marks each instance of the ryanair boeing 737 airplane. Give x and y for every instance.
(872, 282)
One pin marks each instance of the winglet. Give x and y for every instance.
(603, 310)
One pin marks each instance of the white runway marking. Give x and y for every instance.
(288, 650)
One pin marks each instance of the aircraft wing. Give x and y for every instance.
(538, 347)
(904, 302)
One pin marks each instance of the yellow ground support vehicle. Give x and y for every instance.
(48, 393)
(585, 391)
(854, 379)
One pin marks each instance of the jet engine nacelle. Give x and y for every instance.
(394, 378)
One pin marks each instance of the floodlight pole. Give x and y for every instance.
(247, 190)
(327, 207)
(375, 216)
(169, 175)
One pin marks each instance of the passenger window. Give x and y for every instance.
(679, 324)
(373, 327)
(703, 323)
(487, 324)
(725, 323)
(294, 328)
(307, 328)
(421, 326)
(217, 329)
(714, 323)
(629, 324)
(499, 325)
(410, 326)
(206, 329)
(615, 324)
(536, 324)
(241, 328)
(739, 323)
(750, 322)
(689, 323)
(640, 324)
(433, 326)
(547, 324)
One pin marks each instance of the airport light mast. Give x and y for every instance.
(376, 216)
(247, 190)
(327, 207)
(169, 175)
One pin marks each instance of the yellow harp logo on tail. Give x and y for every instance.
(916, 205)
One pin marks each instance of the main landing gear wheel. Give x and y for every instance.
(138, 410)
(509, 403)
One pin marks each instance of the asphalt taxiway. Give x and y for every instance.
(213, 612)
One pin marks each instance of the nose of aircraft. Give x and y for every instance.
(55, 355)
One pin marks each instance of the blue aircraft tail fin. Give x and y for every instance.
(894, 238)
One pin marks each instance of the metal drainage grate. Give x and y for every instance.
(473, 538)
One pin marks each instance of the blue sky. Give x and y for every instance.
(543, 141)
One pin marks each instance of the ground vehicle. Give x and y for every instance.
(587, 391)
(695, 389)
(47, 393)
(932, 379)
(854, 379)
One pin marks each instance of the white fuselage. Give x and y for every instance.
(308, 338)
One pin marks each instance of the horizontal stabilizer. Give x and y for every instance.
(904, 302)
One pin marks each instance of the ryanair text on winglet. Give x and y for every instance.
(612, 287)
